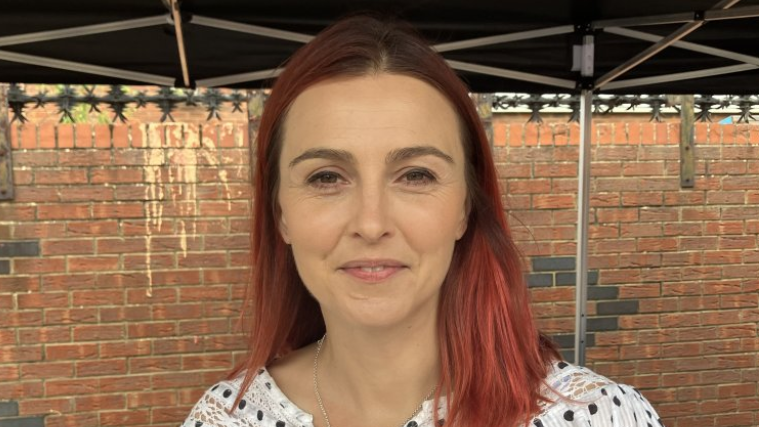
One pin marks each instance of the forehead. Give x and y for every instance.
(383, 111)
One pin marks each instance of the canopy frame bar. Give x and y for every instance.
(721, 53)
(511, 74)
(503, 38)
(239, 78)
(177, 18)
(652, 50)
(660, 45)
(256, 30)
(86, 68)
(84, 30)
(688, 75)
(718, 13)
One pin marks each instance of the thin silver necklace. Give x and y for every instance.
(319, 396)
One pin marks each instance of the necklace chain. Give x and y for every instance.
(319, 396)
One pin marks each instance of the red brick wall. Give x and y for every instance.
(683, 263)
(128, 309)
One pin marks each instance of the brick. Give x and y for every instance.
(38, 265)
(59, 176)
(82, 135)
(45, 370)
(92, 263)
(152, 399)
(603, 324)
(63, 211)
(67, 247)
(101, 368)
(129, 348)
(102, 135)
(118, 210)
(125, 418)
(70, 351)
(98, 332)
(92, 228)
(8, 409)
(20, 354)
(26, 248)
(117, 176)
(84, 158)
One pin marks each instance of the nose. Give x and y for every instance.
(371, 219)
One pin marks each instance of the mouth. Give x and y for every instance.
(372, 271)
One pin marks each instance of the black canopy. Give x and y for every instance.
(226, 43)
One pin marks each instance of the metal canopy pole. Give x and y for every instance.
(177, 18)
(86, 68)
(695, 47)
(697, 21)
(676, 77)
(257, 30)
(583, 200)
(83, 31)
(239, 78)
(511, 74)
(504, 38)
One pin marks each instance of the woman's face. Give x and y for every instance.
(372, 194)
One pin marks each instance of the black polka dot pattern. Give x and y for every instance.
(266, 405)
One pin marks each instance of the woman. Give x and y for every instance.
(387, 290)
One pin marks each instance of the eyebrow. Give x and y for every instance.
(393, 156)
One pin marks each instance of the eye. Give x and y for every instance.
(326, 177)
(419, 177)
(325, 181)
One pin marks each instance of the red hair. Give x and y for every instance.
(492, 354)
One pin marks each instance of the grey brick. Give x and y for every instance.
(603, 324)
(570, 278)
(603, 292)
(23, 422)
(553, 263)
(617, 307)
(593, 277)
(567, 341)
(19, 248)
(568, 355)
(5, 266)
(8, 409)
(539, 280)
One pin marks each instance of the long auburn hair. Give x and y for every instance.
(493, 358)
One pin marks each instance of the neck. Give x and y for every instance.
(381, 374)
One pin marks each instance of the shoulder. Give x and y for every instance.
(261, 405)
(578, 396)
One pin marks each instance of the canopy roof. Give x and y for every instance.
(229, 43)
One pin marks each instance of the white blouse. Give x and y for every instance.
(589, 400)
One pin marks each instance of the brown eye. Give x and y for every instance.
(325, 178)
(419, 177)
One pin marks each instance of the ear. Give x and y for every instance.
(464, 222)
(283, 229)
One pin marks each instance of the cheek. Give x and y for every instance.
(312, 228)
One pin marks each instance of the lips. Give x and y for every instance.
(372, 271)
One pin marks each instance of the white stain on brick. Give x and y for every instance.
(180, 164)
